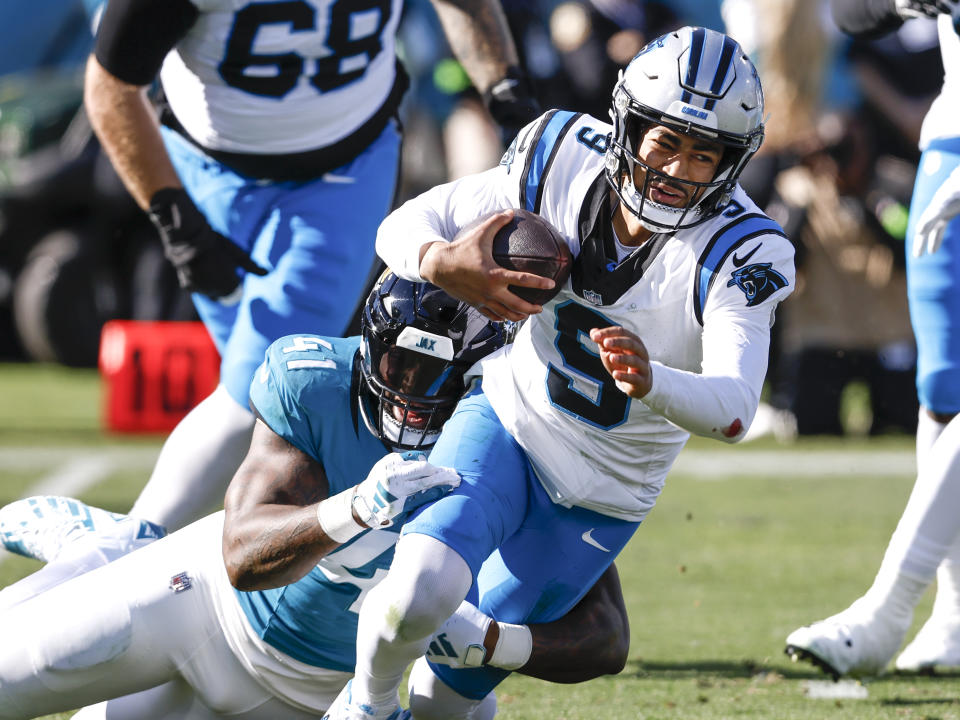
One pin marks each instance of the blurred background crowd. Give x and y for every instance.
(836, 170)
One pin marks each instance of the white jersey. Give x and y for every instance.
(280, 78)
(941, 119)
(702, 300)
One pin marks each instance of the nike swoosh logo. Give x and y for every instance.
(587, 537)
(739, 262)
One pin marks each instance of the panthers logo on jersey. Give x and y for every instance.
(758, 282)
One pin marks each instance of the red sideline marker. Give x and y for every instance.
(154, 373)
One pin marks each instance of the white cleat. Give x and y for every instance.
(937, 645)
(344, 709)
(45, 526)
(852, 643)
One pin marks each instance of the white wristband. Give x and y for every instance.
(335, 515)
(514, 646)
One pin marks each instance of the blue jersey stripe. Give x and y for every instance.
(727, 239)
(540, 156)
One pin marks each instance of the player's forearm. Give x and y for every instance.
(720, 407)
(479, 37)
(125, 123)
(271, 532)
(436, 216)
(591, 640)
(405, 233)
(273, 546)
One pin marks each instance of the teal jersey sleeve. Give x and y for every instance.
(303, 387)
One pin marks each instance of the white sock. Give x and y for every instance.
(426, 583)
(431, 699)
(947, 602)
(927, 529)
(928, 430)
(197, 462)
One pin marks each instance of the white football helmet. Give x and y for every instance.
(697, 81)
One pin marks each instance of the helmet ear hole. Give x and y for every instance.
(417, 343)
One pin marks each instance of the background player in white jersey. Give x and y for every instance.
(163, 632)
(862, 639)
(662, 330)
(276, 159)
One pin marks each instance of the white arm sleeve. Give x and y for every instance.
(441, 212)
(721, 400)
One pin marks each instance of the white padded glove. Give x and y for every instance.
(943, 207)
(399, 483)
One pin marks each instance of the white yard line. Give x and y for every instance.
(733, 463)
(73, 471)
(707, 464)
(42, 456)
(74, 476)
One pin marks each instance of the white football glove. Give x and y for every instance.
(943, 208)
(458, 643)
(399, 483)
(924, 8)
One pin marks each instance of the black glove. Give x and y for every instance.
(511, 103)
(205, 260)
(924, 8)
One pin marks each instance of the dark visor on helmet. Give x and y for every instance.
(411, 374)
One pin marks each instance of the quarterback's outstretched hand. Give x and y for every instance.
(924, 8)
(205, 260)
(943, 208)
(625, 357)
(400, 482)
(465, 268)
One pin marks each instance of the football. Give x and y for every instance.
(528, 243)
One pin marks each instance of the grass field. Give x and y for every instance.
(746, 544)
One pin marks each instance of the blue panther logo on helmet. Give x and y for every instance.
(758, 282)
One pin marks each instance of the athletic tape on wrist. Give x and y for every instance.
(514, 646)
(335, 515)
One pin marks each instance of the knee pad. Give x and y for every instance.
(426, 585)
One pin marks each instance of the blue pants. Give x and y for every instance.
(933, 289)
(532, 560)
(316, 238)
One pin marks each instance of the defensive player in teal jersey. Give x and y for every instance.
(265, 627)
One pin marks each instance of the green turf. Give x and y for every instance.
(718, 575)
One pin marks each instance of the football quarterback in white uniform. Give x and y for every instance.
(661, 330)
